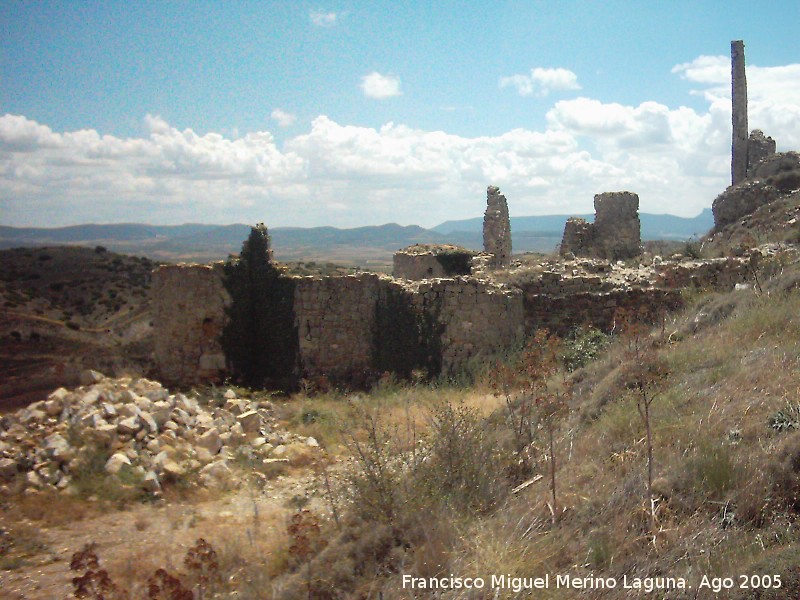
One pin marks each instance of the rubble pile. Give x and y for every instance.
(149, 436)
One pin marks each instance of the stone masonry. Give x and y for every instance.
(615, 233)
(738, 113)
(428, 261)
(336, 320)
(497, 228)
(189, 312)
(338, 324)
(759, 148)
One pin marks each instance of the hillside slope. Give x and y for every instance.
(64, 309)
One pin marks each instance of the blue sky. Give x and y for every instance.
(357, 113)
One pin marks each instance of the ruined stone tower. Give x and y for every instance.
(615, 233)
(738, 113)
(497, 228)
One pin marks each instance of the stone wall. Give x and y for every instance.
(578, 237)
(759, 148)
(561, 314)
(336, 324)
(432, 261)
(352, 328)
(560, 301)
(497, 228)
(615, 233)
(188, 315)
(478, 318)
(715, 274)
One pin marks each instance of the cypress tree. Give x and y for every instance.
(260, 338)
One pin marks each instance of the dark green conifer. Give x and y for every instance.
(260, 339)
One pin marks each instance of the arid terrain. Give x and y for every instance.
(659, 454)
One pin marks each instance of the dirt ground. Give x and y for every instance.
(244, 525)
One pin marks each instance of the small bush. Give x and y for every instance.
(461, 466)
(713, 470)
(582, 346)
(787, 418)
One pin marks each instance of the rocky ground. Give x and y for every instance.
(216, 466)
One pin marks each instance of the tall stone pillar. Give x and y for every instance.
(738, 114)
(497, 228)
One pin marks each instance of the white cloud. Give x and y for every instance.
(676, 159)
(283, 118)
(320, 18)
(380, 86)
(542, 81)
(773, 94)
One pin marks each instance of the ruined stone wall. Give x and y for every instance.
(477, 318)
(759, 149)
(561, 314)
(335, 319)
(188, 315)
(561, 301)
(578, 238)
(497, 228)
(617, 229)
(615, 233)
(432, 261)
(347, 331)
(417, 266)
(720, 274)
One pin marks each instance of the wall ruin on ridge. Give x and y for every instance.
(351, 328)
(615, 233)
(497, 228)
(432, 261)
(347, 326)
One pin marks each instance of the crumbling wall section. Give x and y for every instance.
(335, 319)
(353, 328)
(616, 224)
(497, 228)
(560, 301)
(477, 318)
(720, 274)
(759, 149)
(188, 316)
(432, 261)
(615, 233)
(562, 314)
(417, 266)
(578, 238)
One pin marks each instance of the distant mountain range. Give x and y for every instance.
(654, 227)
(361, 245)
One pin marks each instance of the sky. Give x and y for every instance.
(351, 113)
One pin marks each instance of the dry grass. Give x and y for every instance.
(726, 487)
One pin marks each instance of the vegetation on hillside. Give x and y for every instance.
(546, 466)
(714, 492)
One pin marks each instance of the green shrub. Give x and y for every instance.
(462, 468)
(787, 418)
(582, 346)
